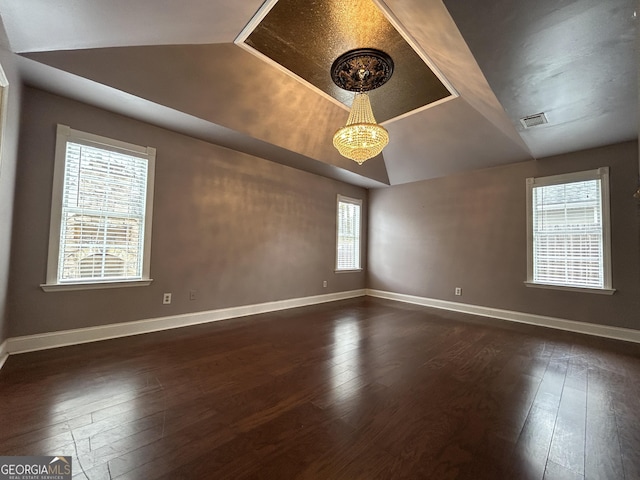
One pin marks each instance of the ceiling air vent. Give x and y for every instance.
(533, 120)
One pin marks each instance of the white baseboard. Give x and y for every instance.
(617, 333)
(3, 353)
(64, 338)
(43, 341)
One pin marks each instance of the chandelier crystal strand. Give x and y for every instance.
(362, 138)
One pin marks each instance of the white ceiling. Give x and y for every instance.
(43, 25)
(574, 60)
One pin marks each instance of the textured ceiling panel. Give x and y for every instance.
(306, 36)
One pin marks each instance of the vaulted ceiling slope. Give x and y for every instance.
(175, 64)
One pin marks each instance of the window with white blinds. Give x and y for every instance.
(101, 210)
(348, 234)
(568, 226)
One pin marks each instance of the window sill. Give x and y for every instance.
(599, 291)
(61, 287)
(355, 270)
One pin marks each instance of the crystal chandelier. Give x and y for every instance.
(362, 138)
(359, 71)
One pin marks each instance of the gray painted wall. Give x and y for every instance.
(469, 231)
(237, 229)
(8, 162)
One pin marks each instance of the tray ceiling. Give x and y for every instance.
(185, 66)
(304, 37)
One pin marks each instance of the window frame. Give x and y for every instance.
(353, 201)
(601, 174)
(4, 111)
(65, 134)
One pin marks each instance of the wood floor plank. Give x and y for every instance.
(603, 456)
(567, 446)
(554, 471)
(361, 388)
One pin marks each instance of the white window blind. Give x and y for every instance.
(569, 229)
(100, 229)
(103, 206)
(348, 237)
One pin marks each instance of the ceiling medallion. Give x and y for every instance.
(360, 71)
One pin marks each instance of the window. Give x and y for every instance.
(348, 237)
(569, 232)
(100, 232)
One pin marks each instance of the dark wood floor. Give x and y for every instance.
(359, 389)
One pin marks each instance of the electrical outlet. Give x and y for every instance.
(458, 291)
(192, 294)
(324, 283)
(166, 299)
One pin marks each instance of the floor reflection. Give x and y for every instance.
(87, 392)
(81, 411)
(345, 358)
